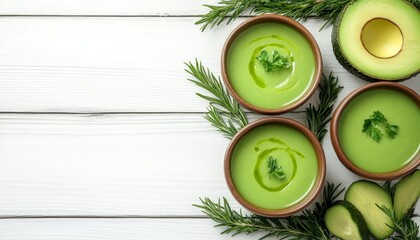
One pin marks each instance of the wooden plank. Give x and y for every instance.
(113, 229)
(113, 165)
(117, 64)
(108, 165)
(116, 165)
(59, 64)
(103, 7)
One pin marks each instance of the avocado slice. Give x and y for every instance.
(407, 192)
(378, 39)
(346, 222)
(364, 195)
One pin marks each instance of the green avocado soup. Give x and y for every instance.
(278, 88)
(389, 154)
(293, 152)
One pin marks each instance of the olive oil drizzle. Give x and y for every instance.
(264, 154)
(284, 84)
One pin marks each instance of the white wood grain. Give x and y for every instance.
(117, 64)
(104, 7)
(104, 64)
(120, 164)
(113, 229)
(143, 165)
(139, 165)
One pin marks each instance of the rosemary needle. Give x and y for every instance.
(307, 226)
(223, 111)
(227, 116)
(229, 10)
(298, 10)
(318, 117)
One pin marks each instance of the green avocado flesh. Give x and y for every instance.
(378, 39)
(406, 194)
(278, 88)
(364, 195)
(293, 152)
(390, 154)
(346, 222)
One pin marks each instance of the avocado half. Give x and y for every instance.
(378, 40)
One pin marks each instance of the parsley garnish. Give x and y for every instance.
(274, 169)
(277, 61)
(372, 127)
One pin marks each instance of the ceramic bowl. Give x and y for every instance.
(313, 79)
(316, 158)
(338, 142)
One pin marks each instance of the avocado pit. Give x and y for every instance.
(382, 38)
(377, 40)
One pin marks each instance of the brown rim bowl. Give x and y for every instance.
(282, 20)
(335, 133)
(305, 201)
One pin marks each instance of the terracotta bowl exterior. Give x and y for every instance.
(282, 20)
(336, 142)
(310, 197)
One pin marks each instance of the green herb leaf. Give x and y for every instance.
(309, 225)
(318, 117)
(389, 187)
(227, 116)
(223, 111)
(392, 130)
(378, 117)
(371, 127)
(277, 61)
(217, 13)
(415, 3)
(404, 229)
(327, 10)
(274, 169)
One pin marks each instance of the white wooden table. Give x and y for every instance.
(101, 135)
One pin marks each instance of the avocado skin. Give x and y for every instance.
(343, 60)
(356, 217)
(415, 3)
(367, 182)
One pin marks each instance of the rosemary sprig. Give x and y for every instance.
(307, 226)
(389, 187)
(298, 9)
(227, 116)
(223, 111)
(217, 13)
(328, 10)
(319, 117)
(415, 3)
(404, 229)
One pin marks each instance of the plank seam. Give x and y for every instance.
(6, 217)
(114, 113)
(108, 16)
